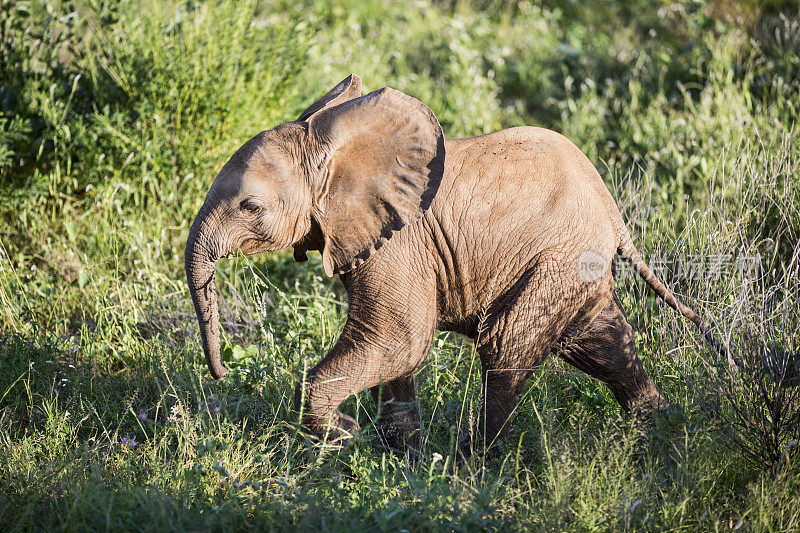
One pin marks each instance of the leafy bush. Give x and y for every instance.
(132, 110)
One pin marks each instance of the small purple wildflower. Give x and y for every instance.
(143, 416)
(201, 404)
(128, 442)
(215, 410)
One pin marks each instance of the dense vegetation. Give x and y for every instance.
(115, 117)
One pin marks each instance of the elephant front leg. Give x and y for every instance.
(391, 319)
(358, 362)
(338, 376)
(320, 413)
(398, 414)
(499, 398)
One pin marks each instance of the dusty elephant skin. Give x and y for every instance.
(507, 238)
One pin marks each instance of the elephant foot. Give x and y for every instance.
(653, 414)
(402, 441)
(469, 447)
(463, 451)
(652, 402)
(644, 399)
(338, 429)
(667, 421)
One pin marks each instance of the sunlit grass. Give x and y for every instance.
(108, 417)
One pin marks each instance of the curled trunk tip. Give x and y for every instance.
(200, 262)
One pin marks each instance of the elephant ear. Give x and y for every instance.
(381, 162)
(345, 90)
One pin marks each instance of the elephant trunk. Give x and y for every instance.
(206, 244)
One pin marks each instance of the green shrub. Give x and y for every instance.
(138, 110)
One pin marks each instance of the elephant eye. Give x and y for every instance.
(249, 206)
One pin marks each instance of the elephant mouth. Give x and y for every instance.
(257, 245)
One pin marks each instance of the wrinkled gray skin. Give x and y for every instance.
(507, 238)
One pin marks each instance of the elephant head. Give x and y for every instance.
(342, 178)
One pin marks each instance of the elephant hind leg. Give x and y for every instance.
(606, 350)
(515, 341)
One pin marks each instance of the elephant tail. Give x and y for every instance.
(627, 250)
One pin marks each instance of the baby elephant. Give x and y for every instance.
(507, 238)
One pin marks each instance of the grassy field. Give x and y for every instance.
(117, 115)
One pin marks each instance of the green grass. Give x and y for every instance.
(117, 115)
